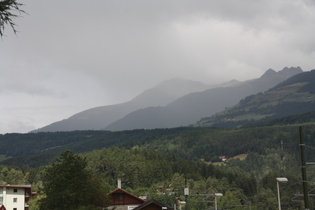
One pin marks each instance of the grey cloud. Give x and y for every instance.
(100, 52)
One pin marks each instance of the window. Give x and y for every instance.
(15, 190)
(14, 200)
(14, 208)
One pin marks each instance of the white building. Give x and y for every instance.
(15, 197)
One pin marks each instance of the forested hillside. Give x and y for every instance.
(291, 97)
(307, 117)
(29, 150)
(151, 162)
(35, 149)
(162, 176)
(152, 174)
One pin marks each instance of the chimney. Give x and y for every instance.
(119, 183)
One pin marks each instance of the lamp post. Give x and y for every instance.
(186, 193)
(282, 180)
(215, 199)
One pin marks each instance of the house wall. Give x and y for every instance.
(1, 196)
(11, 199)
(122, 207)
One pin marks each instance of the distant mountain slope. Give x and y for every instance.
(99, 117)
(194, 106)
(294, 96)
(304, 118)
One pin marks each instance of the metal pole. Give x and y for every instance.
(304, 178)
(279, 203)
(215, 203)
(186, 192)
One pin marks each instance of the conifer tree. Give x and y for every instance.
(69, 185)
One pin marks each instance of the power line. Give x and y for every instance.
(309, 146)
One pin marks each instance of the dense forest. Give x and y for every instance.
(159, 163)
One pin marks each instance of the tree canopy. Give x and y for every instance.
(69, 185)
(7, 13)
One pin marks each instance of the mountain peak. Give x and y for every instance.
(285, 72)
(292, 68)
(269, 73)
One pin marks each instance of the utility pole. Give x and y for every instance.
(303, 163)
(186, 193)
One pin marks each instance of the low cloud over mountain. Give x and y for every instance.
(173, 103)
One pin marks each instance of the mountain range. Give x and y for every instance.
(98, 118)
(173, 103)
(291, 101)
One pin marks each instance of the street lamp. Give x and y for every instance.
(186, 193)
(282, 180)
(215, 199)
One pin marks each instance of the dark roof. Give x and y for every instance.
(16, 186)
(152, 202)
(121, 191)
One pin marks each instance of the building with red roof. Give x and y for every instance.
(15, 197)
(123, 200)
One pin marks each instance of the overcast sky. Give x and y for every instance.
(72, 55)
